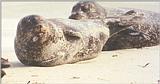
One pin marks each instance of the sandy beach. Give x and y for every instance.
(128, 66)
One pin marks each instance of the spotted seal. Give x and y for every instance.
(129, 28)
(49, 42)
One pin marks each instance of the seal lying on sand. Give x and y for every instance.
(50, 42)
(129, 28)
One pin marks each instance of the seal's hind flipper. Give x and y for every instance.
(125, 39)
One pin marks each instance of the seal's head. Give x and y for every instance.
(36, 29)
(87, 10)
(35, 35)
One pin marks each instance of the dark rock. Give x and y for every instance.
(5, 63)
(2, 73)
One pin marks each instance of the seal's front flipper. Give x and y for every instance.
(71, 35)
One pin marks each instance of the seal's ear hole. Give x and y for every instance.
(72, 35)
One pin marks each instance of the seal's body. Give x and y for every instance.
(50, 42)
(129, 28)
(133, 30)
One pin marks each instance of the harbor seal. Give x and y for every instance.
(129, 27)
(49, 42)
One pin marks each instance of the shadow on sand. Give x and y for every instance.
(15, 64)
